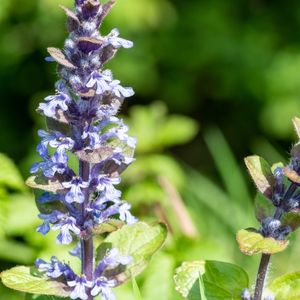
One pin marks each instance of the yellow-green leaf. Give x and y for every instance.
(251, 242)
(28, 280)
(286, 287)
(261, 174)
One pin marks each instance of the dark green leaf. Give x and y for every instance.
(263, 207)
(291, 219)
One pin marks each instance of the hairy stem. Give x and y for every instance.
(265, 258)
(87, 247)
(261, 276)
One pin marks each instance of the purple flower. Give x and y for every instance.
(55, 268)
(111, 260)
(91, 137)
(49, 167)
(80, 284)
(66, 227)
(56, 140)
(103, 287)
(114, 40)
(55, 102)
(62, 144)
(119, 91)
(102, 284)
(106, 184)
(49, 197)
(100, 81)
(75, 193)
(52, 218)
(125, 214)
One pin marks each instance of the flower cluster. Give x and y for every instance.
(80, 285)
(284, 196)
(82, 122)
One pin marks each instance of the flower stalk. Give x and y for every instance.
(82, 121)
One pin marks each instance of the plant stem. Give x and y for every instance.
(261, 276)
(265, 258)
(87, 247)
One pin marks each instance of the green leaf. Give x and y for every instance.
(251, 242)
(140, 241)
(263, 207)
(10, 175)
(186, 277)
(291, 219)
(221, 280)
(110, 225)
(136, 290)
(37, 297)
(176, 130)
(161, 280)
(296, 123)
(42, 183)
(28, 280)
(202, 288)
(15, 251)
(261, 174)
(286, 287)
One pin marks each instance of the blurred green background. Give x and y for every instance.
(215, 80)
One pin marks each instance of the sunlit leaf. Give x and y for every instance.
(221, 280)
(96, 155)
(286, 287)
(261, 174)
(296, 123)
(60, 57)
(251, 242)
(26, 279)
(140, 241)
(42, 183)
(136, 290)
(110, 225)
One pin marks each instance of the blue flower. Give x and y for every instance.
(55, 102)
(114, 40)
(111, 260)
(62, 144)
(80, 284)
(102, 284)
(106, 184)
(103, 287)
(91, 137)
(52, 218)
(100, 81)
(125, 214)
(66, 226)
(119, 91)
(55, 268)
(47, 197)
(56, 140)
(49, 167)
(75, 193)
